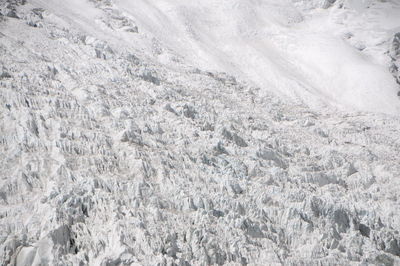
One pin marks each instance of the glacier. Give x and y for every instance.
(241, 132)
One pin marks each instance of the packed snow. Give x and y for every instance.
(277, 47)
(171, 132)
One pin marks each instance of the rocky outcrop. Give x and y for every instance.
(394, 53)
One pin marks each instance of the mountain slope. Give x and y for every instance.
(316, 56)
(292, 52)
(118, 147)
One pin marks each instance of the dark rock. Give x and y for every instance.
(364, 230)
(239, 141)
(395, 47)
(393, 247)
(328, 3)
(252, 229)
(342, 220)
(132, 137)
(133, 59)
(99, 54)
(169, 108)
(33, 127)
(384, 259)
(227, 134)
(5, 75)
(12, 14)
(112, 262)
(217, 213)
(220, 149)
(189, 111)
(150, 77)
(38, 12)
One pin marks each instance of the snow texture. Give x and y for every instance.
(241, 132)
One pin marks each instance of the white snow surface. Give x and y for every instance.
(171, 132)
(275, 46)
(271, 43)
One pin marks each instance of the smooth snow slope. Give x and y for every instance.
(277, 45)
(274, 45)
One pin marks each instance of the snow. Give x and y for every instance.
(199, 132)
(270, 43)
(273, 45)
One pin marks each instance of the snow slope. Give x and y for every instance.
(276, 46)
(199, 133)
